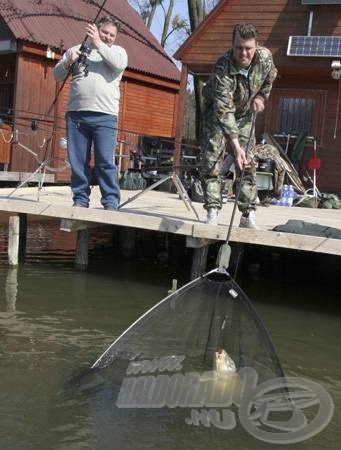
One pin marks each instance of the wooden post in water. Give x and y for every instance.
(200, 252)
(127, 241)
(82, 249)
(199, 262)
(13, 240)
(22, 236)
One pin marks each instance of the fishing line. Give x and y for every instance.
(62, 127)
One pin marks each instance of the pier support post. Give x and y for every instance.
(199, 262)
(127, 241)
(82, 249)
(200, 252)
(13, 240)
(22, 236)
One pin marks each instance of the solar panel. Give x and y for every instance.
(321, 2)
(327, 46)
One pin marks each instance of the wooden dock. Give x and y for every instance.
(166, 212)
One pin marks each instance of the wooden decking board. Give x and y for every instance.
(166, 212)
(22, 176)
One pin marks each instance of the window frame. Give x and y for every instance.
(319, 113)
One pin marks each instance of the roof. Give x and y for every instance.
(199, 30)
(61, 23)
(275, 21)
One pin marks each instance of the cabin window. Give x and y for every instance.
(295, 115)
(292, 111)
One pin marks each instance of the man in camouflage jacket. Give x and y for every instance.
(239, 85)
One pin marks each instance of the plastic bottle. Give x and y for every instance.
(283, 201)
(291, 195)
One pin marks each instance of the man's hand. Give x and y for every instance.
(70, 57)
(240, 158)
(258, 105)
(92, 32)
(239, 153)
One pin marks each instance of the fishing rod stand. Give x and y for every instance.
(40, 172)
(179, 187)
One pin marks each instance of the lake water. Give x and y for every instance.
(55, 322)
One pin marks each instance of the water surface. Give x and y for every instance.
(55, 322)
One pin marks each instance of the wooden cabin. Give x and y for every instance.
(33, 37)
(306, 94)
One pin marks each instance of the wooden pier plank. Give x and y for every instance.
(164, 211)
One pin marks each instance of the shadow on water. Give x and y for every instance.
(55, 322)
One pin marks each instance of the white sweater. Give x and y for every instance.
(98, 91)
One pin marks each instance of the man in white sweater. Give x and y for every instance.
(92, 110)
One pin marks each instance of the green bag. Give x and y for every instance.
(329, 201)
(324, 200)
(132, 180)
(306, 201)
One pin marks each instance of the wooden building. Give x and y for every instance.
(33, 36)
(306, 94)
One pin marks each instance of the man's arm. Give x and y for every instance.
(61, 69)
(224, 110)
(271, 74)
(115, 56)
(270, 71)
(223, 103)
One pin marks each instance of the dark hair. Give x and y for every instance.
(109, 19)
(245, 31)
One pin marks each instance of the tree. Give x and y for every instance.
(178, 26)
(196, 12)
(171, 24)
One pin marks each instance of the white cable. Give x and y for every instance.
(337, 109)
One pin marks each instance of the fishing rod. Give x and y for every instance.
(84, 50)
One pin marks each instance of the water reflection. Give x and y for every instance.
(11, 288)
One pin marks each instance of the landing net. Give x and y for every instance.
(208, 314)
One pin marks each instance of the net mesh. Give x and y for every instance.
(209, 314)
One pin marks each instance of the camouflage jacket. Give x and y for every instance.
(228, 94)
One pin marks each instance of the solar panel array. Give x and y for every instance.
(321, 2)
(326, 46)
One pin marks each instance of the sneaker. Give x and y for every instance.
(212, 216)
(249, 221)
(110, 208)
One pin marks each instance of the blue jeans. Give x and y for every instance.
(85, 128)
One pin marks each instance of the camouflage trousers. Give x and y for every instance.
(214, 146)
